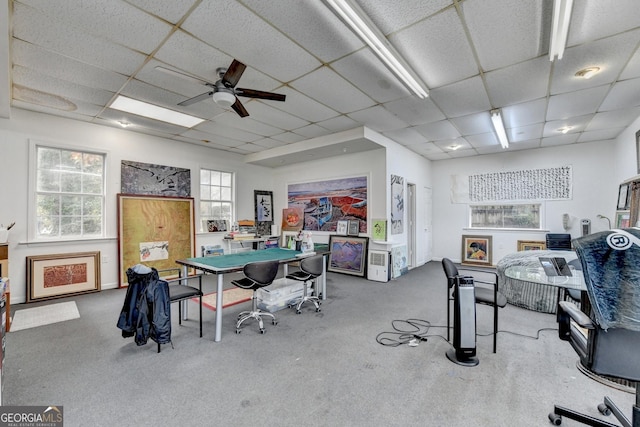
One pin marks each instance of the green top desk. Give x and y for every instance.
(219, 265)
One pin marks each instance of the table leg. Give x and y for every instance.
(323, 278)
(185, 306)
(218, 335)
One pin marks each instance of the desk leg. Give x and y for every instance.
(185, 306)
(323, 278)
(218, 335)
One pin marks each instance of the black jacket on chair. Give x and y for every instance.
(146, 310)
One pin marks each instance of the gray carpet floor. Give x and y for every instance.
(312, 369)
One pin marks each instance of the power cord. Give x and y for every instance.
(410, 332)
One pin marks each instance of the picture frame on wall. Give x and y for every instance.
(348, 255)
(623, 197)
(263, 211)
(531, 245)
(354, 227)
(342, 228)
(379, 230)
(638, 151)
(476, 250)
(62, 275)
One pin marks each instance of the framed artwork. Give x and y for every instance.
(342, 228)
(623, 197)
(638, 151)
(149, 179)
(292, 219)
(354, 227)
(379, 230)
(397, 204)
(348, 255)
(62, 275)
(531, 245)
(215, 225)
(622, 219)
(155, 231)
(263, 211)
(324, 203)
(399, 261)
(476, 250)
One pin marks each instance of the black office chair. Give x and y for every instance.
(486, 292)
(257, 275)
(558, 241)
(611, 343)
(574, 294)
(310, 270)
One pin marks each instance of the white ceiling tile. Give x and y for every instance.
(506, 86)
(592, 20)
(311, 131)
(115, 21)
(171, 11)
(461, 98)
(264, 113)
(525, 145)
(506, 31)
(249, 46)
(600, 135)
(406, 136)
(378, 82)
(249, 124)
(455, 144)
(490, 149)
(269, 143)
(220, 129)
(613, 119)
(483, 140)
(576, 103)
(300, 105)
(378, 119)
(438, 130)
(474, 124)
(391, 16)
(338, 124)
(288, 137)
(523, 133)
(526, 113)
(623, 95)
(632, 70)
(578, 124)
(458, 154)
(335, 93)
(568, 138)
(213, 139)
(437, 49)
(610, 55)
(415, 111)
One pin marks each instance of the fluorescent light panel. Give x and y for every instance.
(144, 109)
(498, 125)
(361, 24)
(560, 27)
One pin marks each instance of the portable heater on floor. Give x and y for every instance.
(464, 323)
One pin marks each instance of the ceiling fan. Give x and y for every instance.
(224, 91)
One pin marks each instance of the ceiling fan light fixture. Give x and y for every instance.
(560, 28)
(353, 15)
(224, 99)
(498, 125)
(587, 73)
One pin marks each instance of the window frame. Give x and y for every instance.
(202, 218)
(541, 207)
(32, 205)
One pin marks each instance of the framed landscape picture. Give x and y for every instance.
(531, 245)
(476, 250)
(62, 275)
(348, 255)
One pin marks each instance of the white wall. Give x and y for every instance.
(595, 191)
(119, 145)
(625, 159)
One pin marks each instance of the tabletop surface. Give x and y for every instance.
(526, 266)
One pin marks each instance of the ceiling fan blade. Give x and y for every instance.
(233, 74)
(239, 108)
(252, 93)
(195, 99)
(181, 75)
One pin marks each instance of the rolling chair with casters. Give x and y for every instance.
(310, 270)
(611, 343)
(257, 275)
(486, 292)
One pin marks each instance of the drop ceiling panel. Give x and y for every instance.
(438, 130)
(270, 115)
(223, 31)
(578, 124)
(592, 20)
(526, 113)
(406, 136)
(576, 103)
(171, 11)
(613, 119)
(506, 31)
(474, 124)
(483, 140)
(446, 58)
(220, 129)
(338, 124)
(462, 98)
(392, 16)
(248, 124)
(300, 105)
(632, 70)
(623, 95)
(506, 86)
(310, 131)
(599, 135)
(566, 139)
(378, 119)
(415, 111)
(524, 133)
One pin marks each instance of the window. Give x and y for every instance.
(506, 216)
(69, 193)
(216, 196)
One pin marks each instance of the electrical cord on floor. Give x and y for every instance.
(410, 332)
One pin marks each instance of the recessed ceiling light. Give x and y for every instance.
(587, 73)
(124, 123)
(454, 147)
(155, 112)
(565, 129)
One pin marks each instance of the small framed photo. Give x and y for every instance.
(342, 228)
(476, 250)
(379, 231)
(354, 227)
(348, 255)
(623, 197)
(531, 245)
(622, 219)
(215, 225)
(62, 275)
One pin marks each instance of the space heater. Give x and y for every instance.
(464, 323)
(379, 266)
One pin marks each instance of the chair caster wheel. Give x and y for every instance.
(262, 331)
(298, 312)
(318, 310)
(555, 419)
(604, 410)
(274, 322)
(238, 331)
